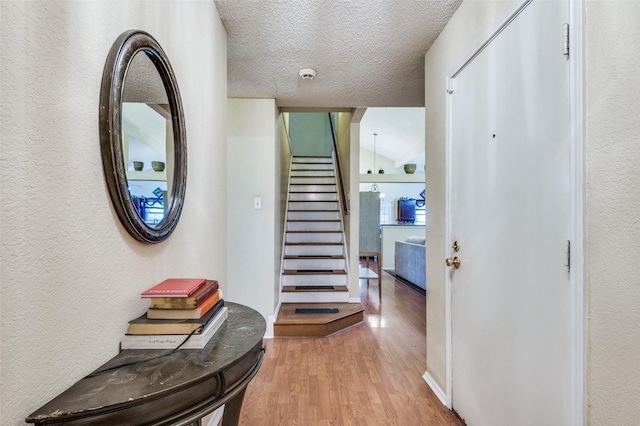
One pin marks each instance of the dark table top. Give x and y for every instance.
(226, 358)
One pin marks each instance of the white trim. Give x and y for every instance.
(449, 84)
(339, 191)
(488, 36)
(284, 232)
(435, 388)
(578, 391)
(354, 300)
(271, 320)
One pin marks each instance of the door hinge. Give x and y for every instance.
(450, 86)
(565, 36)
(567, 263)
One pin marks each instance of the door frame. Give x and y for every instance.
(577, 308)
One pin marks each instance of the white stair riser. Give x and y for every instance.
(313, 196)
(312, 160)
(333, 237)
(312, 173)
(315, 297)
(311, 215)
(295, 264)
(313, 250)
(314, 226)
(315, 280)
(311, 188)
(310, 166)
(313, 205)
(313, 181)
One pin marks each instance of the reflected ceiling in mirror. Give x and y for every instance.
(143, 137)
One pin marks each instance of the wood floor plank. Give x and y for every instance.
(370, 374)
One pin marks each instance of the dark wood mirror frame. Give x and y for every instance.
(110, 121)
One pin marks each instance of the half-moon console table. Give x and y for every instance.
(177, 389)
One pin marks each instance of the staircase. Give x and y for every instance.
(314, 276)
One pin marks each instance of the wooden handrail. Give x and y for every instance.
(343, 196)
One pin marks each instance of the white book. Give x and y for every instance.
(172, 341)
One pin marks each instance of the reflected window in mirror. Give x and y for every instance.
(143, 137)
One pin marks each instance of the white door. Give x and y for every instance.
(509, 211)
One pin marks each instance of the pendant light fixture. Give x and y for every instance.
(374, 186)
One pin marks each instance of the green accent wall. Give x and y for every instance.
(310, 133)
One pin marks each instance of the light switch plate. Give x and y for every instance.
(257, 203)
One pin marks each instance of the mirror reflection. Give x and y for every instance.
(147, 140)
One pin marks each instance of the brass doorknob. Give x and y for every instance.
(453, 262)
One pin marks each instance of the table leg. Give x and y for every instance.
(232, 410)
(380, 276)
(367, 266)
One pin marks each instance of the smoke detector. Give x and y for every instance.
(307, 73)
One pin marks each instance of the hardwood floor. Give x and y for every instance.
(370, 374)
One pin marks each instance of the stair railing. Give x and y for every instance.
(343, 192)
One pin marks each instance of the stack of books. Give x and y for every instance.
(184, 313)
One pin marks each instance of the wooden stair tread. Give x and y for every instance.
(290, 324)
(287, 312)
(314, 256)
(313, 220)
(313, 192)
(313, 288)
(314, 184)
(312, 177)
(312, 244)
(314, 272)
(314, 232)
(315, 211)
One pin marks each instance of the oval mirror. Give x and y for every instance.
(142, 137)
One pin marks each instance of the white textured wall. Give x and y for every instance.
(70, 275)
(613, 211)
(472, 19)
(252, 155)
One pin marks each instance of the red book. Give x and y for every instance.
(190, 302)
(175, 287)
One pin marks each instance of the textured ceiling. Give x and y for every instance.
(367, 53)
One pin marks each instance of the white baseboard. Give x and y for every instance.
(271, 320)
(354, 300)
(436, 389)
